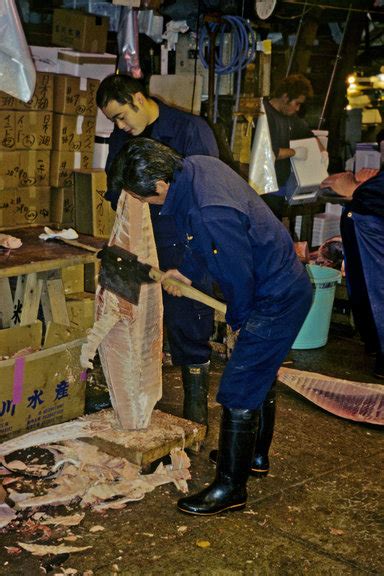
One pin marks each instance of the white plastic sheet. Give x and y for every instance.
(17, 71)
(262, 175)
(128, 43)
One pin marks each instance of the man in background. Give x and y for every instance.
(285, 125)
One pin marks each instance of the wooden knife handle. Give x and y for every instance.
(190, 291)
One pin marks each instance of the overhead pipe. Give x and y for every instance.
(293, 51)
(337, 61)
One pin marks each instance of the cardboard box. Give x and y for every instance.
(62, 165)
(74, 95)
(73, 279)
(73, 133)
(93, 214)
(79, 30)
(7, 130)
(101, 7)
(129, 3)
(23, 169)
(86, 65)
(25, 206)
(33, 130)
(242, 142)
(42, 388)
(81, 310)
(63, 206)
(7, 207)
(42, 98)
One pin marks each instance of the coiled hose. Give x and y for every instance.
(243, 52)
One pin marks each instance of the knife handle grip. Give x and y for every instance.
(190, 291)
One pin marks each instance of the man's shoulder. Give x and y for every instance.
(177, 114)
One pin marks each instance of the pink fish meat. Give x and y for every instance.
(352, 400)
(128, 337)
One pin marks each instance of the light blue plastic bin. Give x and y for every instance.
(314, 331)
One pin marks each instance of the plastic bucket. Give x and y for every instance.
(314, 331)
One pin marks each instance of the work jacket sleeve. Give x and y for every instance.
(220, 237)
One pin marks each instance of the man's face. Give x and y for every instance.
(291, 107)
(126, 117)
(161, 189)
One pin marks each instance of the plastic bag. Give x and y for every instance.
(128, 43)
(262, 175)
(17, 71)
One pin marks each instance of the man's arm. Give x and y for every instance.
(343, 183)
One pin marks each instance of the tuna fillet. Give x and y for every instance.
(352, 400)
(129, 338)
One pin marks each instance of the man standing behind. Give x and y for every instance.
(189, 324)
(285, 125)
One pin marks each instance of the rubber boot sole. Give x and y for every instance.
(231, 508)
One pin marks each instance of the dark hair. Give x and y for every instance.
(140, 164)
(119, 87)
(294, 86)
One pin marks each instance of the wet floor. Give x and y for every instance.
(319, 512)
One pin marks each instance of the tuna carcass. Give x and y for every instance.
(352, 400)
(128, 337)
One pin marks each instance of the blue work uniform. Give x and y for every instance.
(231, 233)
(189, 324)
(362, 231)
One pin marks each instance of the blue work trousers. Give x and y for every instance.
(189, 324)
(363, 242)
(262, 344)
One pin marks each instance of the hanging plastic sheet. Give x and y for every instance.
(262, 175)
(17, 71)
(128, 43)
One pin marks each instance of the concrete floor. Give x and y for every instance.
(319, 512)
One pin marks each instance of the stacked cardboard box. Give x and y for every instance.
(93, 213)
(45, 140)
(79, 30)
(44, 387)
(25, 144)
(72, 140)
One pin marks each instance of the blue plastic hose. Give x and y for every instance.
(243, 53)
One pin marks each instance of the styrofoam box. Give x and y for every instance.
(100, 151)
(45, 58)
(103, 125)
(86, 64)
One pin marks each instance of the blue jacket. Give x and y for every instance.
(368, 198)
(187, 134)
(229, 230)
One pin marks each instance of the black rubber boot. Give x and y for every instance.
(236, 446)
(195, 384)
(260, 460)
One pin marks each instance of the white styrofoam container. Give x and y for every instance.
(45, 58)
(103, 125)
(86, 64)
(100, 151)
